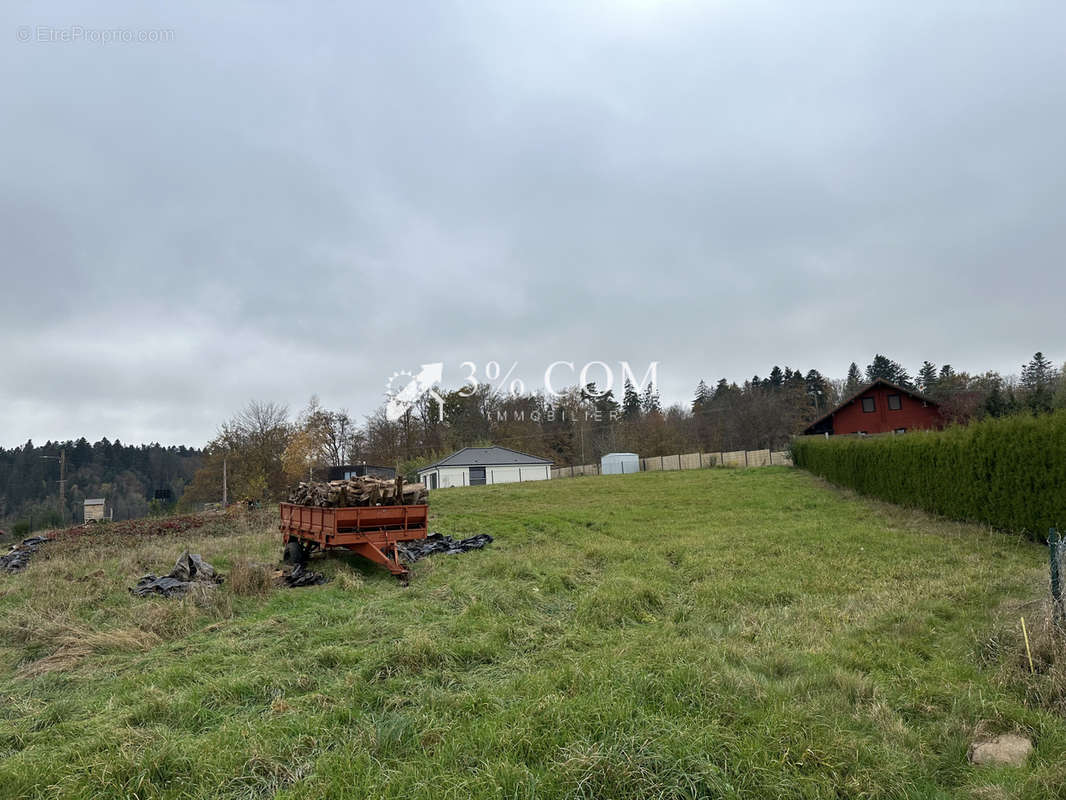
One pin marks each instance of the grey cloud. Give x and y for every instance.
(719, 187)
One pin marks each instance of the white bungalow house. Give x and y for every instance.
(477, 466)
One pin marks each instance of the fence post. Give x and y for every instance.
(1055, 542)
(771, 451)
(745, 458)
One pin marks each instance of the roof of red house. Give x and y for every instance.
(877, 382)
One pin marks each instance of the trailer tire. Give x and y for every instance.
(294, 553)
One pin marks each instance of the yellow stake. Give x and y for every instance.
(1028, 652)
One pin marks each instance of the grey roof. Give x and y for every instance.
(97, 502)
(486, 456)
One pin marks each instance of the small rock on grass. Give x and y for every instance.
(1009, 749)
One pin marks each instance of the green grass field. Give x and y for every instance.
(714, 633)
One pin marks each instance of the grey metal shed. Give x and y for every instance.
(619, 464)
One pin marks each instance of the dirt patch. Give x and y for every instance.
(147, 526)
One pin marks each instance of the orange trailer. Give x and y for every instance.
(371, 531)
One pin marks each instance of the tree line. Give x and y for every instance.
(127, 476)
(264, 450)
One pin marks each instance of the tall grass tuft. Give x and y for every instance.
(250, 580)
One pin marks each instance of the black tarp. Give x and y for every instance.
(189, 568)
(439, 543)
(20, 555)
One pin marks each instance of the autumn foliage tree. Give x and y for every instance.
(251, 446)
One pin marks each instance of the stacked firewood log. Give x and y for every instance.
(366, 491)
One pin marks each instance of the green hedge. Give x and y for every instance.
(1009, 473)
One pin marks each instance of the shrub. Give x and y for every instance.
(1009, 473)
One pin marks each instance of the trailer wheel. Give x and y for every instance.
(294, 553)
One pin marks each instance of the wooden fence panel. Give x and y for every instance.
(734, 458)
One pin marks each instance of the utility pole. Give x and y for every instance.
(224, 487)
(62, 459)
(63, 483)
(343, 454)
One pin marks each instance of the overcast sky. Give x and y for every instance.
(275, 202)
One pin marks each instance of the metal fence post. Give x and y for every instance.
(1054, 543)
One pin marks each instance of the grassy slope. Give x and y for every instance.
(707, 633)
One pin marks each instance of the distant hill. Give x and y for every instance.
(127, 476)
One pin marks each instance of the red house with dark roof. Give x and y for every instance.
(881, 407)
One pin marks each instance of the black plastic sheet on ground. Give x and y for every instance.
(188, 569)
(20, 555)
(300, 575)
(439, 543)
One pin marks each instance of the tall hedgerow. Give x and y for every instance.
(1009, 472)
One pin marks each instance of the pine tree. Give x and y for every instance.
(927, 377)
(853, 382)
(885, 368)
(703, 397)
(606, 405)
(649, 401)
(1037, 378)
(630, 401)
(817, 389)
(777, 378)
